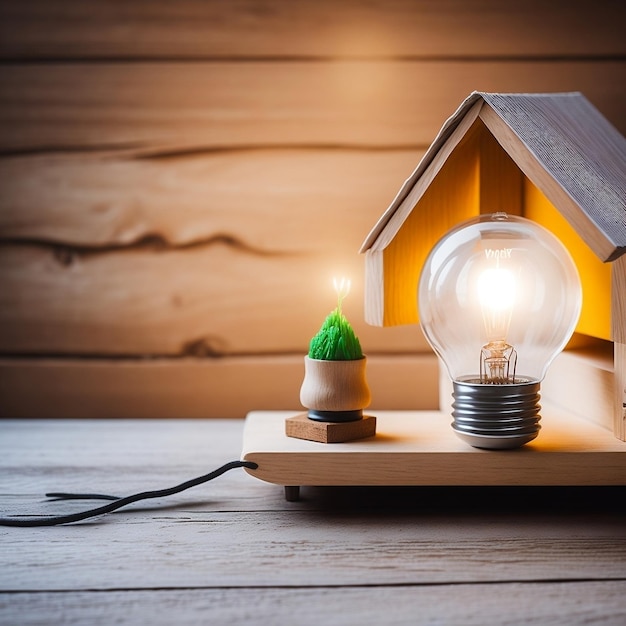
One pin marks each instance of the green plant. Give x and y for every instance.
(336, 340)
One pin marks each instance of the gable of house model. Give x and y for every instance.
(512, 152)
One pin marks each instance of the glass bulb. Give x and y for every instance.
(499, 297)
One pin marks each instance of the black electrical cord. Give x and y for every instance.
(118, 502)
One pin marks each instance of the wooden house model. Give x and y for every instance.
(554, 159)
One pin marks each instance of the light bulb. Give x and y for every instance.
(499, 297)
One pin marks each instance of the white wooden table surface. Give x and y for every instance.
(234, 551)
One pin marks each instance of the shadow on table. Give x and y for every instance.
(603, 499)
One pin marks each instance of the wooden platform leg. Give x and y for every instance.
(292, 493)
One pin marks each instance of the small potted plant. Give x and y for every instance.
(335, 387)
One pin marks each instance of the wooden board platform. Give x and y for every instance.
(419, 448)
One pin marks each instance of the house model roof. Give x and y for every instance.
(561, 142)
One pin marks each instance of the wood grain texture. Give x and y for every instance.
(167, 108)
(543, 179)
(247, 539)
(210, 300)
(268, 549)
(195, 28)
(618, 301)
(301, 427)
(546, 603)
(620, 391)
(211, 242)
(196, 388)
(235, 552)
(263, 95)
(270, 200)
(569, 141)
(156, 140)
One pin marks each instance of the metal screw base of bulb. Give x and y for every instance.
(496, 417)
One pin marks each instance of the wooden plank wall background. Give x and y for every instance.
(179, 181)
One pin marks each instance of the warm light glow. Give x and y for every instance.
(595, 317)
(496, 289)
(499, 297)
(342, 288)
(501, 292)
(496, 294)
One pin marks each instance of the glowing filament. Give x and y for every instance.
(342, 288)
(496, 294)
